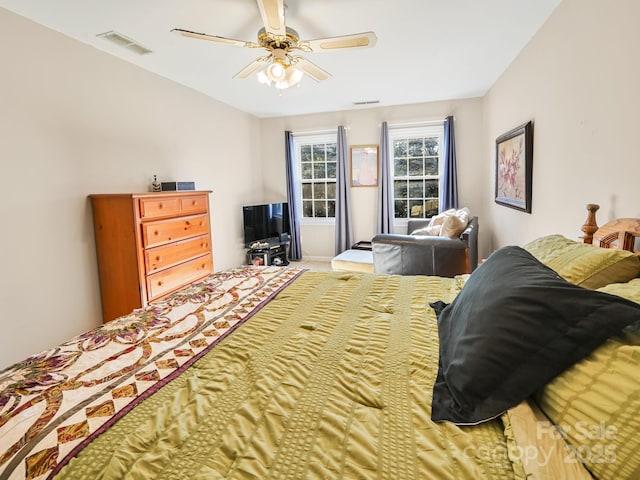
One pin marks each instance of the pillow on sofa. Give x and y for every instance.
(514, 326)
(454, 225)
(429, 231)
(450, 223)
(586, 265)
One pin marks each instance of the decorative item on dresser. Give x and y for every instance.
(149, 245)
(156, 186)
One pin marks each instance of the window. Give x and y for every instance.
(416, 169)
(316, 159)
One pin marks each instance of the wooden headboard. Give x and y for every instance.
(622, 233)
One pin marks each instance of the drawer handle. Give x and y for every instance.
(158, 258)
(195, 202)
(159, 284)
(156, 232)
(160, 205)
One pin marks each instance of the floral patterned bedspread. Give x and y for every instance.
(54, 403)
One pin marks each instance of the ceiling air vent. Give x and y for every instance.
(125, 42)
(367, 102)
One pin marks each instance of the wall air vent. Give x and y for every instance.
(367, 102)
(125, 42)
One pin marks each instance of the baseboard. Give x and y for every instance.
(315, 259)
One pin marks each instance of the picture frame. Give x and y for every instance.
(364, 166)
(514, 168)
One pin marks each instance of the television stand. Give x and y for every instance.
(268, 253)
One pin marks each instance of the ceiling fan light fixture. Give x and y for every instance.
(276, 72)
(295, 75)
(280, 72)
(292, 77)
(262, 78)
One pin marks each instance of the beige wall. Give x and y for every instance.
(364, 129)
(75, 121)
(578, 80)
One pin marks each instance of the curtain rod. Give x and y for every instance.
(416, 124)
(319, 132)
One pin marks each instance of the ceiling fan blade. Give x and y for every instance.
(311, 69)
(215, 38)
(272, 13)
(251, 68)
(356, 40)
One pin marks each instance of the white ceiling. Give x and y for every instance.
(427, 50)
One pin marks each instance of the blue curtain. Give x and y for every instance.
(295, 247)
(449, 185)
(385, 190)
(344, 228)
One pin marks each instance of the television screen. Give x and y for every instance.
(263, 223)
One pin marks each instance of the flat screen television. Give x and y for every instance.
(265, 223)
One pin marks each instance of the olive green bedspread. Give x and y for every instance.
(330, 380)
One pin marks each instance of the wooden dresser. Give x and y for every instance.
(149, 245)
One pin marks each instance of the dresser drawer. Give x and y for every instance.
(159, 258)
(165, 231)
(166, 281)
(159, 207)
(192, 204)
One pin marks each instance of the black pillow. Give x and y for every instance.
(514, 326)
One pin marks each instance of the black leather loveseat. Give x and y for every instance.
(426, 255)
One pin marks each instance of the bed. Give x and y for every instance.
(526, 368)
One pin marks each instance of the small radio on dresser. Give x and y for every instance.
(177, 186)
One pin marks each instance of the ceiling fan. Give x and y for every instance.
(281, 66)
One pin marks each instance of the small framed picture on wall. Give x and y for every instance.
(364, 166)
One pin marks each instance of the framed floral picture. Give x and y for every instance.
(514, 157)
(364, 166)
